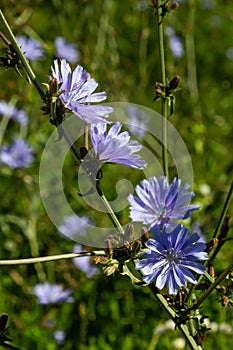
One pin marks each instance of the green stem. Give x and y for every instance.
(182, 327)
(212, 287)
(164, 82)
(224, 211)
(110, 212)
(51, 258)
(25, 64)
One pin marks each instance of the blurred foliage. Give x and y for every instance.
(117, 42)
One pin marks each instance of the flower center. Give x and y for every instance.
(172, 256)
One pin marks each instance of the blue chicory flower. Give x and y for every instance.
(160, 203)
(59, 336)
(175, 43)
(74, 226)
(66, 50)
(170, 257)
(18, 155)
(31, 48)
(115, 147)
(138, 121)
(76, 92)
(84, 263)
(13, 113)
(48, 293)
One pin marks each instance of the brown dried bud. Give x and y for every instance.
(210, 244)
(100, 259)
(128, 232)
(174, 82)
(210, 270)
(224, 301)
(174, 5)
(109, 270)
(135, 247)
(3, 322)
(145, 235)
(53, 87)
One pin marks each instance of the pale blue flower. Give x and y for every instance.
(48, 293)
(59, 336)
(66, 50)
(84, 263)
(115, 147)
(74, 226)
(138, 121)
(18, 155)
(160, 203)
(76, 92)
(170, 257)
(31, 48)
(175, 43)
(12, 112)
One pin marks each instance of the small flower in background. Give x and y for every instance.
(138, 121)
(18, 155)
(170, 257)
(160, 203)
(12, 112)
(59, 336)
(115, 147)
(31, 48)
(48, 293)
(76, 92)
(175, 43)
(74, 226)
(65, 50)
(84, 263)
(229, 53)
(197, 229)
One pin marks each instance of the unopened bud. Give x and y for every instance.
(210, 270)
(128, 232)
(145, 235)
(3, 322)
(174, 5)
(210, 244)
(53, 86)
(174, 82)
(224, 301)
(109, 270)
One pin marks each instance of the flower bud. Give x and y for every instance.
(174, 82)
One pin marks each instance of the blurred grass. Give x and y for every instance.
(118, 46)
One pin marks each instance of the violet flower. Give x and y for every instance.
(31, 48)
(170, 257)
(76, 92)
(115, 147)
(160, 203)
(18, 155)
(13, 113)
(65, 50)
(48, 293)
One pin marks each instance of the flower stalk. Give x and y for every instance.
(43, 259)
(164, 101)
